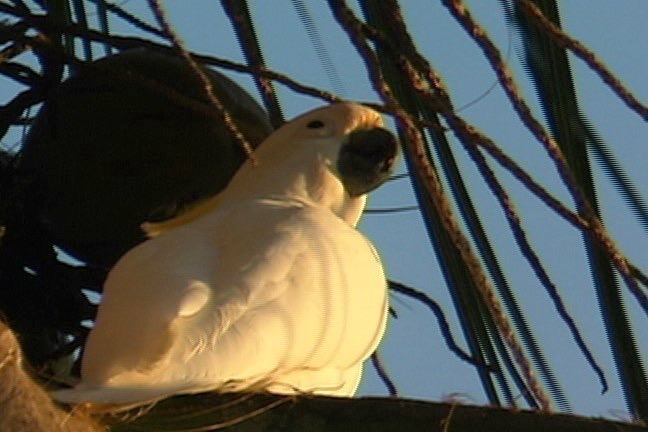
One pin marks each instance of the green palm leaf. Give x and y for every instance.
(478, 323)
(548, 66)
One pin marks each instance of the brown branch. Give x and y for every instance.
(42, 23)
(442, 322)
(428, 179)
(11, 112)
(563, 40)
(266, 413)
(224, 115)
(461, 13)
(135, 21)
(534, 261)
(379, 367)
(26, 406)
(440, 100)
(239, 15)
(13, 50)
(129, 42)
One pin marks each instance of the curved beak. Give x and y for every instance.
(367, 159)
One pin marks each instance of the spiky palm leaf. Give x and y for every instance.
(548, 66)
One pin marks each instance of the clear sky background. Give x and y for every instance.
(413, 350)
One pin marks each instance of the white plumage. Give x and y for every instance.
(271, 289)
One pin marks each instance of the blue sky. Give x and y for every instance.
(413, 350)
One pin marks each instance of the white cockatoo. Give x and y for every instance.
(272, 289)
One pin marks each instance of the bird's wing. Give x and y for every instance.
(151, 289)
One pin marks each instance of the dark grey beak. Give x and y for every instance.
(367, 159)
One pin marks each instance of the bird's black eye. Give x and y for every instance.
(315, 124)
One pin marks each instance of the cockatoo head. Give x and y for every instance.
(333, 155)
(350, 140)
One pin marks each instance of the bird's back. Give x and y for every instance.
(270, 294)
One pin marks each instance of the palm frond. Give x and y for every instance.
(548, 66)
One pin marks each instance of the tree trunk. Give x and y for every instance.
(25, 406)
